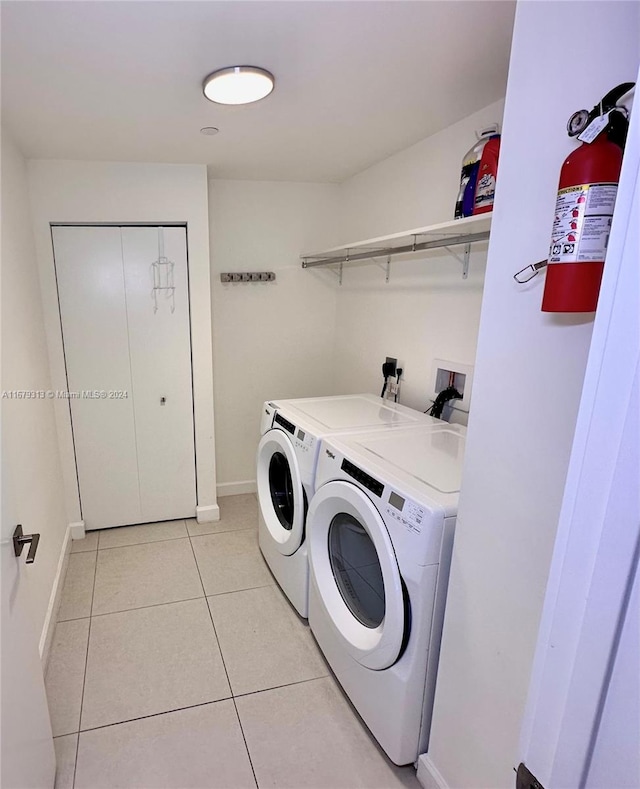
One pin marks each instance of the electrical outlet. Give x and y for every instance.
(462, 379)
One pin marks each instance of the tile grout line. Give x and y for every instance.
(143, 607)
(224, 665)
(152, 715)
(73, 619)
(237, 591)
(190, 706)
(220, 531)
(279, 687)
(164, 539)
(86, 663)
(148, 542)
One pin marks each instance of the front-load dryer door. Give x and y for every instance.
(280, 492)
(355, 572)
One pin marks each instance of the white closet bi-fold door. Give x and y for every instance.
(124, 308)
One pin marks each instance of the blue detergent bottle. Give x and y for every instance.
(469, 173)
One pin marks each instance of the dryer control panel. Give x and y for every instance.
(305, 445)
(304, 442)
(410, 514)
(417, 536)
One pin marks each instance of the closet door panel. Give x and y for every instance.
(160, 347)
(90, 279)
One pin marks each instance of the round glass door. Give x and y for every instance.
(355, 576)
(281, 489)
(356, 569)
(281, 494)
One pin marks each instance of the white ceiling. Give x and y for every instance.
(356, 81)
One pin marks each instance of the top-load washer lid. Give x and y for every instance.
(354, 412)
(433, 457)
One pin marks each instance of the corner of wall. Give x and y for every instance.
(30, 447)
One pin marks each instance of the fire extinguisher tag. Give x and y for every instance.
(582, 223)
(596, 126)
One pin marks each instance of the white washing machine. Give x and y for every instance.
(286, 464)
(380, 529)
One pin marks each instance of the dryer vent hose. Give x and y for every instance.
(450, 393)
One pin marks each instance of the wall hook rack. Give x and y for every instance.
(248, 276)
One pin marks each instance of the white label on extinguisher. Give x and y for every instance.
(582, 223)
(594, 128)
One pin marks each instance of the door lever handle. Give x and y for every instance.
(20, 540)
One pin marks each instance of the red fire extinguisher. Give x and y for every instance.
(584, 206)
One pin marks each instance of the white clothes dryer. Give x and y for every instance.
(286, 465)
(380, 528)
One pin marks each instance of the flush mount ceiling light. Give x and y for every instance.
(238, 85)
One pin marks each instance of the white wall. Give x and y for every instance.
(427, 311)
(584, 696)
(332, 339)
(412, 188)
(421, 315)
(112, 192)
(270, 340)
(517, 454)
(29, 439)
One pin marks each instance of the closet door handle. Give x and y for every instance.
(163, 400)
(20, 540)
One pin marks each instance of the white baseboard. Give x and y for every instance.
(429, 776)
(209, 513)
(236, 488)
(51, 616)
(77, 530)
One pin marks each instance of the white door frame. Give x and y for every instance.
(124, 193)
(596, 550)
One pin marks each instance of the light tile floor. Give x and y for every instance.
(177, 662)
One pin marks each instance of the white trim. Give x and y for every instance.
(51, 616)
(428, 774)
(208, 514)
(77, 530)
(237, 488)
